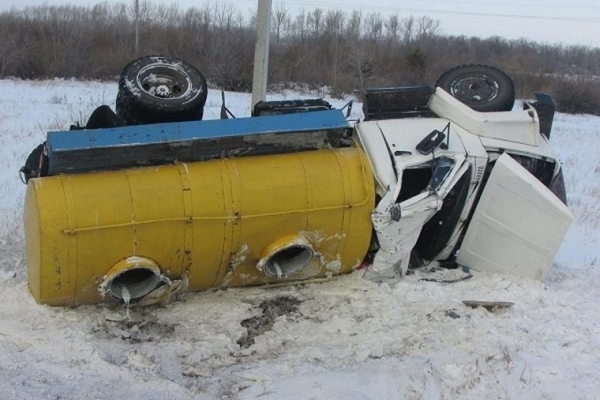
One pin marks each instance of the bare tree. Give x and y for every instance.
(300, 25)
(408, 29)
(374, 26)
(12, 49)
(392, 27)
(280, 20)
(427, 28)
(315, 19)
(225, 16)
(354, 25)
(334, 26)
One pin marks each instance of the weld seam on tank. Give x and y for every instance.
(220, 218)
(347, 193)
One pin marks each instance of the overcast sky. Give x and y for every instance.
(549, 21)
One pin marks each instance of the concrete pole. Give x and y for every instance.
(261, 52)
(137, 32)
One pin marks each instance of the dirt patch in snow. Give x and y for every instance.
(271, 310)
(134, 329)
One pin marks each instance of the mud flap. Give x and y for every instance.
(518, 226)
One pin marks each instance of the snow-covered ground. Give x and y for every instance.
(347, 339)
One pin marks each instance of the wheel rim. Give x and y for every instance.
(473, 90)
(164, 81)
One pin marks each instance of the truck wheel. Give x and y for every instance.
(481, 87)
(156, 89)
(36, 164)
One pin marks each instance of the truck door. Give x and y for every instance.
(518, 224)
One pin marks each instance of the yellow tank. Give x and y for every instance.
(231, 222)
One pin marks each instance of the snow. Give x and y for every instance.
(350, 338)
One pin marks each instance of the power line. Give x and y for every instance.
(445, 2)
(446, 12)
(521, 5)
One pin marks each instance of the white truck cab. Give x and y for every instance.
(451, 187)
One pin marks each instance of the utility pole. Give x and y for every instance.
(137, 36)
(261, 52)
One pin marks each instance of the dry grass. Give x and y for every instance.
(576, 95)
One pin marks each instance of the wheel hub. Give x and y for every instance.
(162, 91)
(164, 81)
(475, 89)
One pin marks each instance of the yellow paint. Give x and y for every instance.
(211, 220)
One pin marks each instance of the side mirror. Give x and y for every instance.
(430, 142)
(225, 113)
(545, 108)
(348, 107)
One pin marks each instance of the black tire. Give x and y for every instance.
(155, 89)
(481, 87)
(103, 117)
(36, 164)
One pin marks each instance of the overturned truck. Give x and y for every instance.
(150, 201)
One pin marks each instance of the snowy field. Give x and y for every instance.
(345, 339)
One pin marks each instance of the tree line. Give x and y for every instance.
(343, 51)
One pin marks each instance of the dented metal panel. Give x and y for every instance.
(406, 204)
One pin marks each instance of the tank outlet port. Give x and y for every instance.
(286, 257)
(131, 279)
